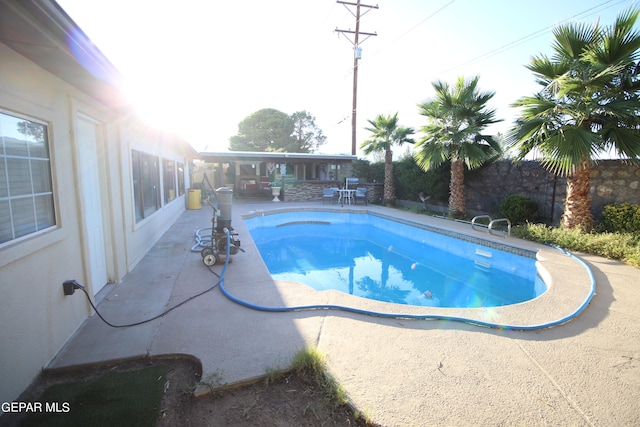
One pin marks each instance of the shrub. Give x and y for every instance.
(622, 246)
(518, 209)
(362, 169)
(410, 180)
(620, 218)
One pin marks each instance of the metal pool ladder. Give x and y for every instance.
(492, 223)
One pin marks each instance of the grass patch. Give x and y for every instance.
(115, 399)
(621, 246)
(310, 364)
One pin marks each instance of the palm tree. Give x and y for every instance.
(588, 104)
(457, 117)
(386, 132)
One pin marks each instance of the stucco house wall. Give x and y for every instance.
(36, 318)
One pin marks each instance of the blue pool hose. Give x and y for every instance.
(407, 316)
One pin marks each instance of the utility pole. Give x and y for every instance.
(356, 56)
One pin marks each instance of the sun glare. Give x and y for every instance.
(184, 99)
(165, 108)
(151, 102)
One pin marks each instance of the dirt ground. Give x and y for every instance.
(285, 401)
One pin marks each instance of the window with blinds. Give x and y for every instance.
(26, 190)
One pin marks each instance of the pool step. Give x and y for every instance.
(484, 253)
(482, 264)
(303, 222)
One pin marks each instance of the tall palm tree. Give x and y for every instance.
(589, 104)
(457, 117)
(385, 132)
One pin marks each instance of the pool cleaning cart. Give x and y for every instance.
(216, 251)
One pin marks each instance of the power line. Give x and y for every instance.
(530, 36)
(410, 29)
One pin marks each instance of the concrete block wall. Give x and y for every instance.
(612, 181)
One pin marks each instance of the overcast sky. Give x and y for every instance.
(200, 67)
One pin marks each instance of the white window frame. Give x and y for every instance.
(22, 200)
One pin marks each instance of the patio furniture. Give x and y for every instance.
(353, 182)
(360, 194)
(329, 194)
(424, 199)
(345, 194)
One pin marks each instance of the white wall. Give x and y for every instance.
(36, 319)
(140, 236)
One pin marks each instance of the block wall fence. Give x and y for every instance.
(612, 181)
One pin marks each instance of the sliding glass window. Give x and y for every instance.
(146, 183)
(169, 181)
(181, 189)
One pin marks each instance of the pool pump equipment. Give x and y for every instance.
(220, 224)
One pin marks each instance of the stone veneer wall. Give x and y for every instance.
(375, 192)
(304, 191)
(300, 191)
(612, 181)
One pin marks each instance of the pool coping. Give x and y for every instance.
(569, 280)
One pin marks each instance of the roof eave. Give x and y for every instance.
(279, 156)
(41, 31)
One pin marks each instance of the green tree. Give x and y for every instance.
(306, 137)
(588, 104)
(385, 132)
(265, 130)
(411, 180)
(457, 116)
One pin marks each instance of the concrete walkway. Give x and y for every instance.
(398, 372)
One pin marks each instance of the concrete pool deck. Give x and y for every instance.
(570, 284)
(397, 371)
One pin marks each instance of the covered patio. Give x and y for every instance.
(301, 176)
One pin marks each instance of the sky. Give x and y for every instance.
(199, 67)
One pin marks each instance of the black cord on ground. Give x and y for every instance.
(159, 315)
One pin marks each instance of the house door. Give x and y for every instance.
(92, 218)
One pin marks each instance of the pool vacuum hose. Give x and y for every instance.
(405, 316)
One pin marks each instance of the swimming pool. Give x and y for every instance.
(374, 257)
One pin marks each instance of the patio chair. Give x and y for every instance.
(361, 194)
(329, 194)
(350, 182)
(424, 199)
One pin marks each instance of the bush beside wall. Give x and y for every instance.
(612, 181)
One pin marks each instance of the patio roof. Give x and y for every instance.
(226, 156)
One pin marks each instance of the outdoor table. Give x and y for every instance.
(345, 194)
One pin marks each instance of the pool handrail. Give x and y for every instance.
(476, 218)
(491, 224)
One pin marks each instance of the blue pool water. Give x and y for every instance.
(372, 257)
